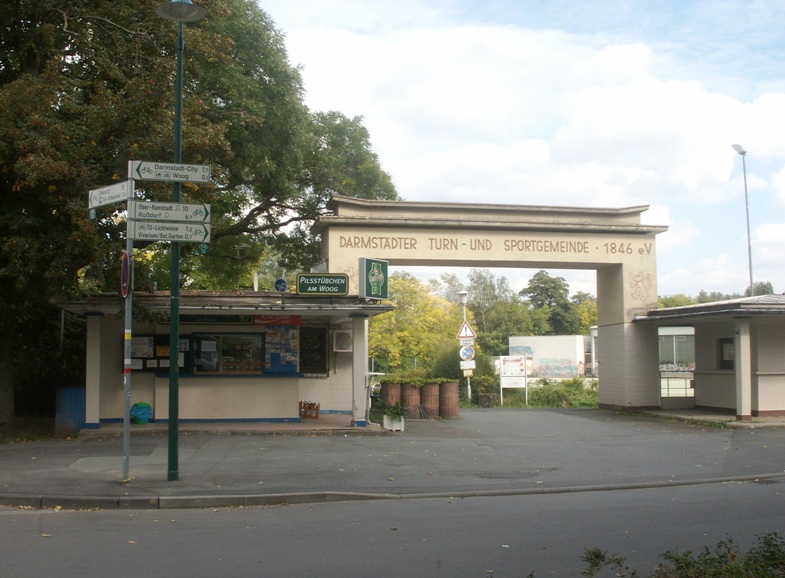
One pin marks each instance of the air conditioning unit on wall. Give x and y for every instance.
(342, 341)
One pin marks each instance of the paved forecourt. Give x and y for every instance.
(484, 452)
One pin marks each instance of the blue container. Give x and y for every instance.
(70, 411)
(141, 412)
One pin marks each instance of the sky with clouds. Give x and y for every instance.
(586, 103)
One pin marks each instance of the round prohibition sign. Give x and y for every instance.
(467, 353)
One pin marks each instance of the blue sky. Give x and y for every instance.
(608, 104)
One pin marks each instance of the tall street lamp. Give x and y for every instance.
(739, 149)
(177, 11)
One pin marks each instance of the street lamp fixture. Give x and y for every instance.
(463, 298)
(180, 11)
(740, 150)
(177, 11)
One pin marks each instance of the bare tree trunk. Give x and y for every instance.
(7, 413)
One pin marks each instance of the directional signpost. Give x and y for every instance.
(169, 211)
(151, 221)
(177, 222)
(108, 195)
(178, 172)
(169, 231)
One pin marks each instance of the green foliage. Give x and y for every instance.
(499, 312)
(761, 288)
(586, 309)
(596, 559)
(575, 393)
(390, 409)
(764, 560)
(414, 378)
(677, 300)
(445, 361)
(544, 291)
(485, 384)
(412, 333)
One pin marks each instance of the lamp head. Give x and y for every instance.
(463, 296)
(180, 11)
(739, 149)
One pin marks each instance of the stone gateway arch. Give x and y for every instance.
(613, 242)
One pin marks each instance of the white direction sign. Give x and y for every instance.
(163, 231)
(108, 195)
(192, 213)
(149, 171)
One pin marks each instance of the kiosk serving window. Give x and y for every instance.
(235, 353)
(275, 351)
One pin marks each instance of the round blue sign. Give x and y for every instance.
(281, 285)
(467, 353)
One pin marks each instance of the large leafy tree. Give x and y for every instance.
(500, 312)
(87, 85)
(552, 294)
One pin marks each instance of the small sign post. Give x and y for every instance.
(466, 337)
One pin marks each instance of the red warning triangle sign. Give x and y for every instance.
(466, 331)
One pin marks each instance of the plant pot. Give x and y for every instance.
(392, 422)
(410, 397)
(391, 393)
(449, 403)
(429, 400)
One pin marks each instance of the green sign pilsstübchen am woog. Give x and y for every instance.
(323, 284)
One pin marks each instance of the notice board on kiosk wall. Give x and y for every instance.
(281, 349)
(151, 352)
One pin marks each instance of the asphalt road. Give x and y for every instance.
(501, 536)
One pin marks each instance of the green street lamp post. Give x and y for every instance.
(177, 11)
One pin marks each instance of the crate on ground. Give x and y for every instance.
(309, 409)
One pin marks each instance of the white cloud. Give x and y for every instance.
(463, 109)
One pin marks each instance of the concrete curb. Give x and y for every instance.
(69, 502)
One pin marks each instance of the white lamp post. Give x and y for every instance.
(177, 11)
(739, 149)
